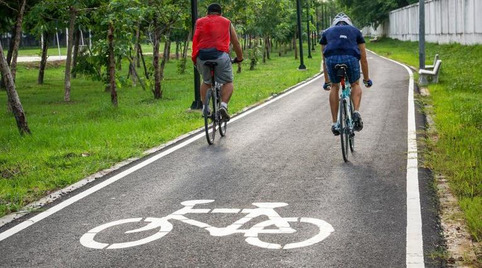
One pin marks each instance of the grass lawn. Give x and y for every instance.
(72, 140)
(457, 111)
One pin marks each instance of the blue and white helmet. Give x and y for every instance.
(342, 17)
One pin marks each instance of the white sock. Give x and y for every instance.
(225, 105)
(356, 111)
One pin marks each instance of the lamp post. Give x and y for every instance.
(298, 13)
(421, 34)
(308, 28)
(197, 103)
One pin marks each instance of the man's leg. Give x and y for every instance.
(334, 101)
(226, 92)
(356, 94)
(204, 88)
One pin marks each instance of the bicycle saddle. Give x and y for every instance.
(210, 63)
(341, 69)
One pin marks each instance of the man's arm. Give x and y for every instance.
(327, 78)
(364, 62)
(236, 44)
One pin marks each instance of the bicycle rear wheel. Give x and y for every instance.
(209, 118)
(344, 130)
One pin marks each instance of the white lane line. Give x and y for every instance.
(21, 226)
(414, 251)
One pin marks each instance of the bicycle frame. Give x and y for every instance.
(345, 97)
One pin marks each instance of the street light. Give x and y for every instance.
(421, 34)
(308, 28)
(197, 103)
(298, 13)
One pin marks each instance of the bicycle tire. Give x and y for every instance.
(344, 130)
(325, 229)
(88, 239)
(223, 125)
(352, 134)
(210, 120)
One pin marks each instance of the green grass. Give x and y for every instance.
(457, 111)
(72, 140)
(54, 51)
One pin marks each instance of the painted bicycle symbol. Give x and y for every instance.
(274, 225)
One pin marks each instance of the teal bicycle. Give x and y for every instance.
(345, 113)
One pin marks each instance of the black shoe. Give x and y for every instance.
(335, 129)
(224, 114)
(357, 120)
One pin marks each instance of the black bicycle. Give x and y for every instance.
(345, 113)
(212, 103)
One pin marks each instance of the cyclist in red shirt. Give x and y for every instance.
(212, 36)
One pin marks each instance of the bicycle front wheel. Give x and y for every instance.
(344, 130)
(209, 117)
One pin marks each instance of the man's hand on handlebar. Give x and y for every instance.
(368, 83)
(236, 60)
(327, 86)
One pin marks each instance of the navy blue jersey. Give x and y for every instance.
(342, 40)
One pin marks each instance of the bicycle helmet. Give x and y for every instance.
(342, 17)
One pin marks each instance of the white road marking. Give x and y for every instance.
(21, 226)
(414, 251)
(226, 210)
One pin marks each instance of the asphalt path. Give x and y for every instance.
(281, 155)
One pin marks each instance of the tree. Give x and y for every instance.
(164, 14)
(40, 21)
(14, 100)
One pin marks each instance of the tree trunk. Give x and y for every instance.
(137, 61)
(268, 47)
(132, 68)
(43, 61)
(296, 48)
(143, 62)
(9, 58)
(13, 96)
(165, 59)
(155, 60)
(112, 86)
(76, 51)
(135, 74)
(167, 54)
(11, 45)
(184, 53)
(18, 35)
(178, 44)
(68, 61)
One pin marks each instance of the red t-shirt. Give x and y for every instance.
(212, 31)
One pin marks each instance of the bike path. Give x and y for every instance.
(283, 152)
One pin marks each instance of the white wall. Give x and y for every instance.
(446, 21)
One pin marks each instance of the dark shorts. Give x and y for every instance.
(353, 64)
(223, 72)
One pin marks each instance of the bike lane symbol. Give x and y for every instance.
(281, 226)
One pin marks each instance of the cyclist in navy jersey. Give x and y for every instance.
(342, 43)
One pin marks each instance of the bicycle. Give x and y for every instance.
(275, 224)
(345, 113)
(213, 118)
